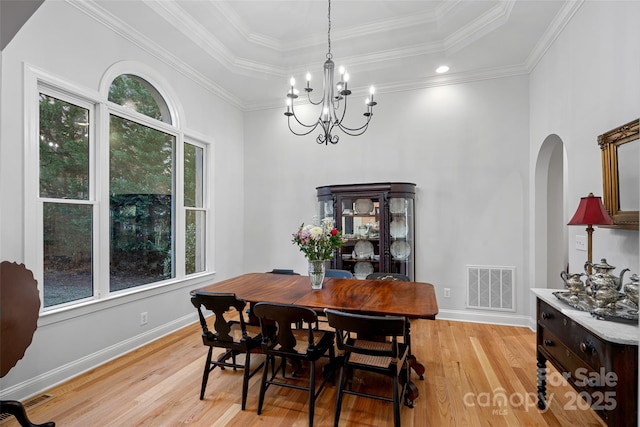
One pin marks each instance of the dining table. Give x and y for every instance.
(413, 300)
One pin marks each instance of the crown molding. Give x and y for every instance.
(418, 84)
(554, 29)
(93, 10)
(368, 30)
(185, 23)
(480, 27)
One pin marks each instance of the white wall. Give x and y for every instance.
(71, 46)
(465, 146)
(587, 84)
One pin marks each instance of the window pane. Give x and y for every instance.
(141, 204)
(67, 253)
(195, 241)
(193, 177)
(64, 149)
(139, 95)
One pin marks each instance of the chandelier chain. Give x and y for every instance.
(329, 55)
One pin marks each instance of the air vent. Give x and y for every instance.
(28, 404)
(491, 288)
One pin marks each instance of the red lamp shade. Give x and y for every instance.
(591, 212)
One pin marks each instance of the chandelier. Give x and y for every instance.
(334, 103)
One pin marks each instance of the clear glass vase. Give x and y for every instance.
(316, 273)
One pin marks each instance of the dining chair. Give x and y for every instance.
(388, 276)
(386, 357)
(279, 339)
(283, 271)
(252, 320)
(233, 335)
(19, 312)
(339, 274)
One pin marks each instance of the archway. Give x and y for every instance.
(550, 247)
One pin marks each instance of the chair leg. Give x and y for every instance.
(336, 418)
(312, 391)
(15, 408)
(205, 375)
(396, 402)
(245, 378)
(263, 384)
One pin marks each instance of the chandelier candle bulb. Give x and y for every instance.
(345, 91)
(288, 113)
(292, 92)
(325, 115)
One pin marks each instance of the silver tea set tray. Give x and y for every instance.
(620, 311)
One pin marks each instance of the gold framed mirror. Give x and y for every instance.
(621, 174)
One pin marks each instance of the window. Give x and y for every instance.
(130, 230)
(137, 94)
(141, 182)
(65, 193)
(194, 209)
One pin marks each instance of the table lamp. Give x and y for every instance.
(590, 212)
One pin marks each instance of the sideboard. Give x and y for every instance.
(599, 358)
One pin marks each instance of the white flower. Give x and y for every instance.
(327, 224)
(316, 232)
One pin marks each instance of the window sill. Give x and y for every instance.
(124, 297)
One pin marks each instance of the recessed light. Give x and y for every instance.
(442, 69)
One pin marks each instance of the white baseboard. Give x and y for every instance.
(507, 319)
(36, 385)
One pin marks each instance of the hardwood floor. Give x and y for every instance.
(469, 367)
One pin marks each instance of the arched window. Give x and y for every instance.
(153, 235)
(137, 94)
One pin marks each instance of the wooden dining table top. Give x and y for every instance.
(415, 300)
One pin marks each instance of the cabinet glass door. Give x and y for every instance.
(401, 235)
(360, 225)
(325, 209)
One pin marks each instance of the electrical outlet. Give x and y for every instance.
(143, 318)
(447, 292)
(581, 243)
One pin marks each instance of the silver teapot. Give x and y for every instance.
(631, 290)
(604, 269)
(604, 291)
(573, 282)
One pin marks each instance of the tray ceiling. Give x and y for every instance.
(246, 51)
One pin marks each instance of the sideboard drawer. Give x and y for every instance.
(576, 370)
(587, 346)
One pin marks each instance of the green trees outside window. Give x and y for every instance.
(141, 182)
(138, 179)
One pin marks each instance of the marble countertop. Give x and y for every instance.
(617, 332)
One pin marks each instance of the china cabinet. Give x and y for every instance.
(378, 221)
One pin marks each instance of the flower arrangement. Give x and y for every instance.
(318, 242)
